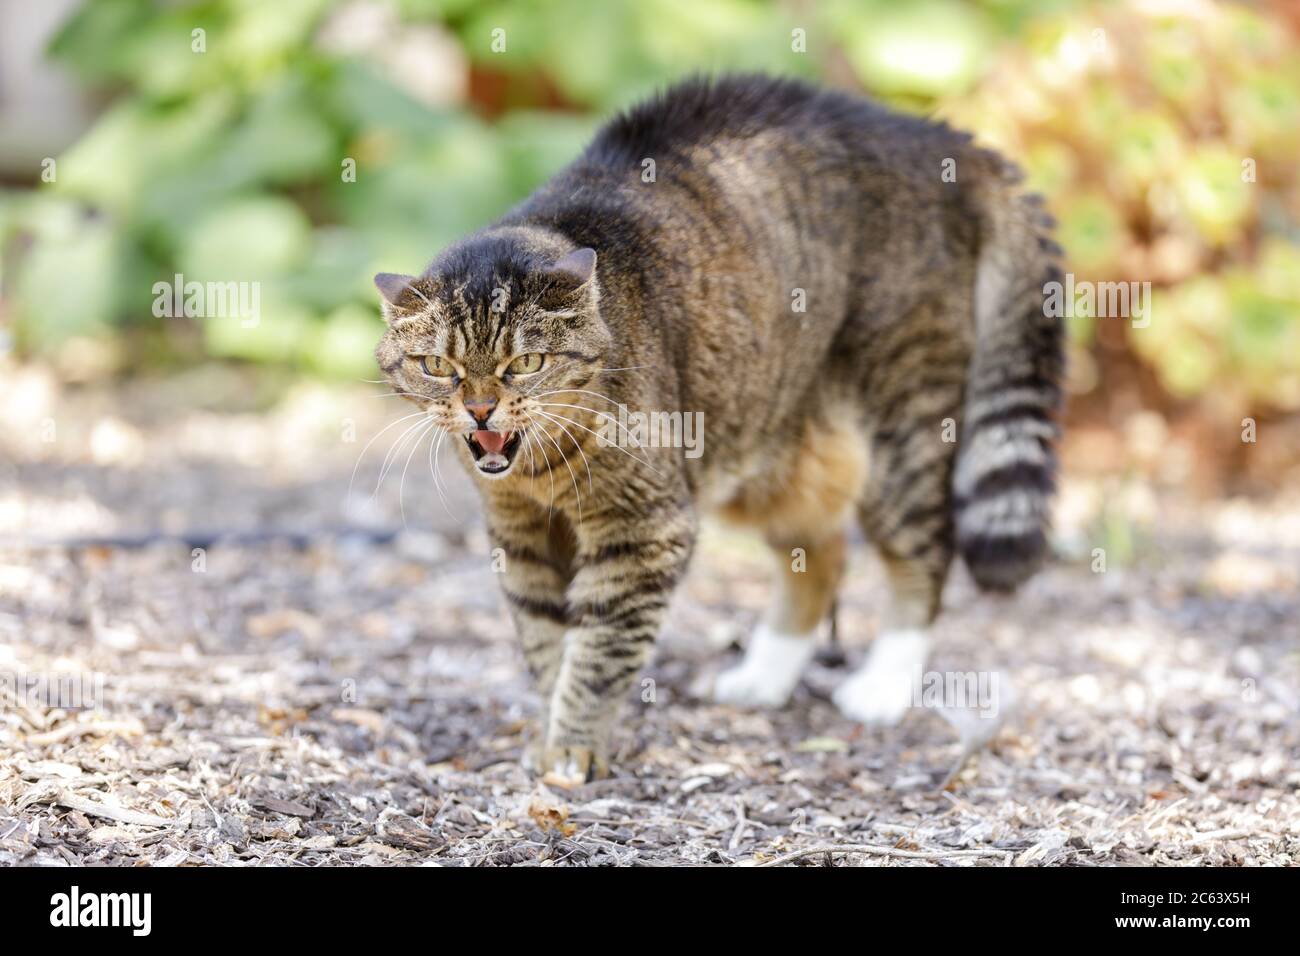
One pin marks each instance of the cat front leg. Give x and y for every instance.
(533, 551)
(627, 567)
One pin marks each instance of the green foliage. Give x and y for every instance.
(1166, 146)
(230, 164)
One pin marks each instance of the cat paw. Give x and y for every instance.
(769, 673)
(533, 757)
(572, 766)
(877, 699)
(744, 686)
(880, 691)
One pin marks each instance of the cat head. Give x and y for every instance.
(492, 328)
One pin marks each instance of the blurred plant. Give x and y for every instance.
(1166, 143)
(233, 163)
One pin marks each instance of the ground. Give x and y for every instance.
(329, 681)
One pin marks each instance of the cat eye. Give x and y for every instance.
(526, 364)
(435, 366)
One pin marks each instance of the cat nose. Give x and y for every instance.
(480, 408)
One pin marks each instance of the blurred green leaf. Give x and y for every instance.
(68, 282)
(344, 347)
(247, 240)
(1136, 123)
(927, 49)
(1213, 193)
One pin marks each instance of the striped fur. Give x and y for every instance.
(1006, 469)
(921, 316)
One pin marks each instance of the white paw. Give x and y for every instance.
(770, 671)
(747, 687)
(880, 691)
(879, 699)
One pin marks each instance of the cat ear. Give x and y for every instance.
(393, 286)
(577, 267)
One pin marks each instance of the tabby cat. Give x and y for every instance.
(854, 301)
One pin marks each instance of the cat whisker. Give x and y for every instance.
(599, 414)
(572, 474)
(632, 438)
(529, 441)
(525, 446)
(437, 468)
(362, 455)
(599, 371)
(585, 463)
(391, 458)
(550, 508)
(598, 435)
(434, 447)
(401, 485)
(578, 391)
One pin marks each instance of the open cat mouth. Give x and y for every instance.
(493, 452)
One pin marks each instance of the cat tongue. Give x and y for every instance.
(493, 442)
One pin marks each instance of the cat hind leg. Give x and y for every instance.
(906, 509)
(807, 579)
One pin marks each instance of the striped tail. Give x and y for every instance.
(1006, 463)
